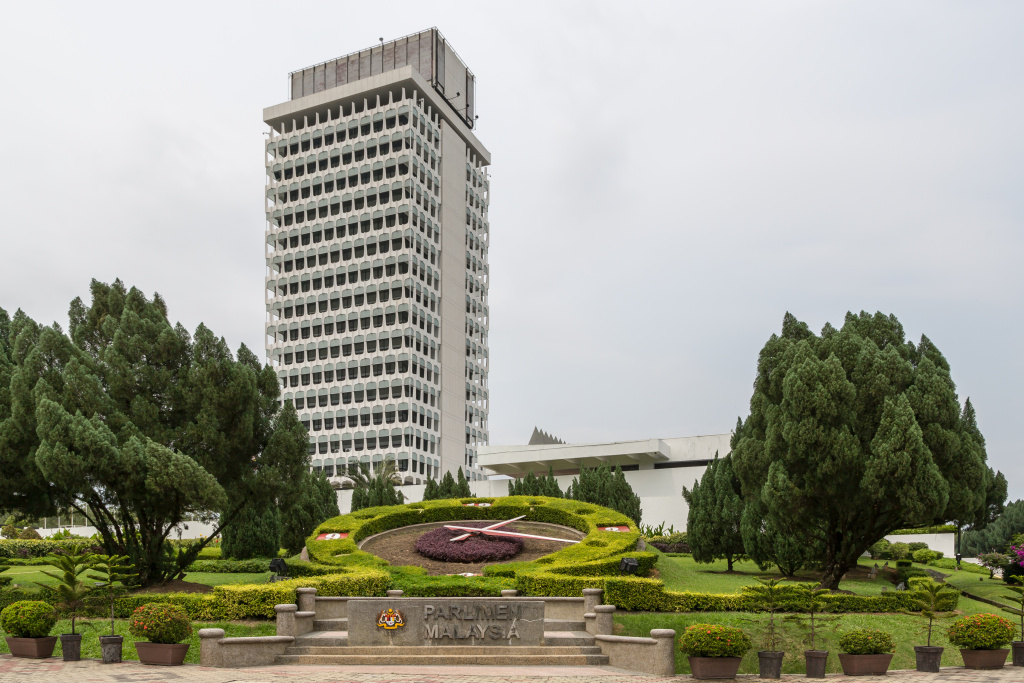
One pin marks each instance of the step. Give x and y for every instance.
(322, 639)
(340, 624)
(483, 650)
(564, 625)
(509, 658)
(568, 638)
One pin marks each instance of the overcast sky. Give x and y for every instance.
(668, 180)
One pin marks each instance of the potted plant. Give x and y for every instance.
(769, 598)
(108, 571)
(981, 639)
(69, 593)
(811, 596)
(1018, 600)
(29, 623)
(714, 651)
(929, 658)
(164, 626)
(866, 652)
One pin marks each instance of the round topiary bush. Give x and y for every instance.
(981, 632)
(160, 623)
(867, 641)
(28, 619)
(710, 640)
(437, 545)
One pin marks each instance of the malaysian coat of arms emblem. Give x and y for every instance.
(390, 619)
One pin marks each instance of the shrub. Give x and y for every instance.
(880, 550)
(867, 641)
(437, 545)
(710, 640)
(950, 563)
(256, 533)
(160, 623)
(924, 556)
(28, 619)
(898, 551)
(915, 546)
(981, 632)
(29, 534)
(23, 549)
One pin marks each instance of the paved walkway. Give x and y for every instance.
(92, 671)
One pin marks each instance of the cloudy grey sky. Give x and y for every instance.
(668, 180)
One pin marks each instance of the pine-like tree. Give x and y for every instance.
(607, 487)
(136, 425)
(315, 502)
(462, 489)
(257, 533)
(856, 432)
(713, 522)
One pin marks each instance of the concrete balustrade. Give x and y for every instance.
(655, 655)
(604, 621)
(217, 651)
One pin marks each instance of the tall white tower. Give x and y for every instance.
(377, 277)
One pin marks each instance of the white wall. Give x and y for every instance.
(944, 543)
(193, 530)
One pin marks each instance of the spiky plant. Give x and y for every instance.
(70, 590)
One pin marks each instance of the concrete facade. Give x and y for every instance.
(377, 260)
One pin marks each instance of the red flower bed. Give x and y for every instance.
(437, 545)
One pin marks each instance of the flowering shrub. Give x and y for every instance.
(866, 641)
(981, 632)
(437, 545)
(160, 623)
(28, 619)
(709, 640)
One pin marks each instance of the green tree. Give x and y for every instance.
(997, 534)
(713, 521)
(854, 433)
(462, 489)
(372, 490)
(256, 533)
(607, 487)
(531, 485)
(448, 488)
(766, 544)
(136, 425)
(314, 503)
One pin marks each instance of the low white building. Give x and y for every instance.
(657, 469)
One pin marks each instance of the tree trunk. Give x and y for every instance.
(729, 560)
(833, 572)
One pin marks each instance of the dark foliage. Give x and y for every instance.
(256, 533)
(437, 545)
(531, 485)
(448, 487)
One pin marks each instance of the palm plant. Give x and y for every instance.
(371, 489)
(70, 590)
(930, 593)
(108, 571)
(1017, 597)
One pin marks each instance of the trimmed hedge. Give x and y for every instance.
(949, 563)
(253, 566)
(942, 529)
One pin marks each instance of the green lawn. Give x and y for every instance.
(907, 629)
(681, 573)
(91, 642)
(980, 585)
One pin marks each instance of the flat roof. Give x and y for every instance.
(520, 460)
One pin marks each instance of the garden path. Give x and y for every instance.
(92, 671)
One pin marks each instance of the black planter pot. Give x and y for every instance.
(770, 663)
(816, 661)
(110, 646)
(1018, 652)
(928, 658)
(71, 646)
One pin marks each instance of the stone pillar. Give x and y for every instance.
(306, 597)
(592, 597)
(590, 620)
(509, 593)
(209, 646)
(604, 623)
(664, 659)
(395, 594)
(285, 620)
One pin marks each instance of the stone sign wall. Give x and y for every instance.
(445, 621)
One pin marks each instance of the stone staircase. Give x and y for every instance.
(566, 643)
